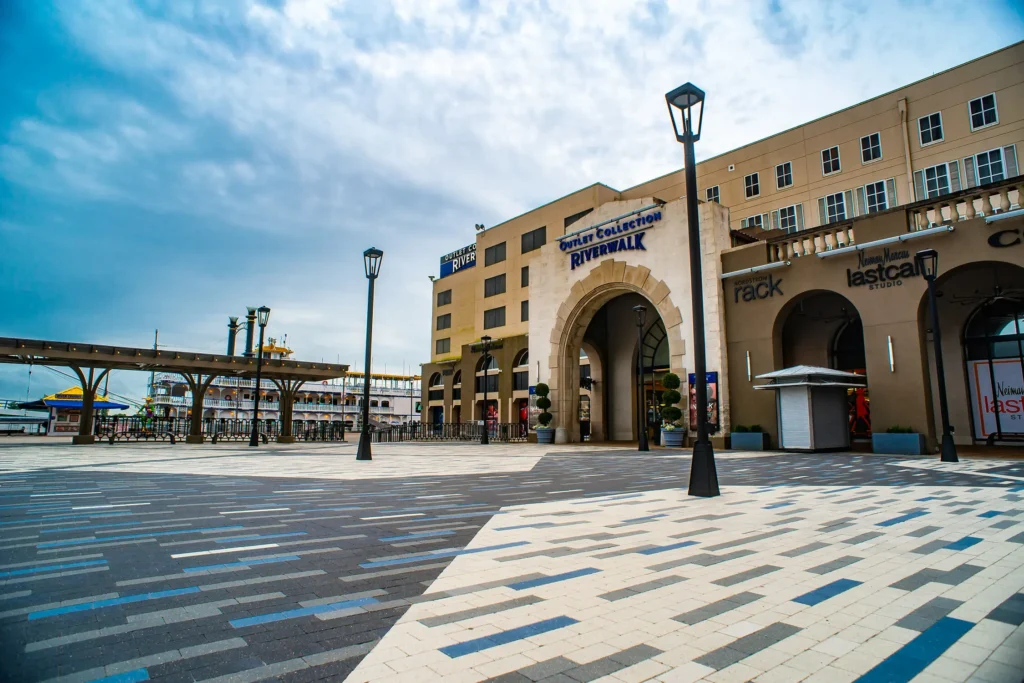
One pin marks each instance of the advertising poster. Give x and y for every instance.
(1009, 392)
(712, 408)
(534, 410)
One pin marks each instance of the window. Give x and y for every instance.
(443, 345)
(938, 180)
(524, 311)
(444, 321)
(835, 208)
(495, 254)
(784, 175)
(569, 220)
(870, 148)
(930, 128)
(983, 112)
(444, 298)
(787, 219)
(490, 381)
(876, 199)
(712, 194)
(755, 221)
(830, 161)
(991, 166)
(534, 239)
(494, 317)
(751, 185)
(524, 277)
(494, 285)
(520, 381)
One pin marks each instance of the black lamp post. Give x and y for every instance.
(641, 413)
(681, 103)
(263, 313)
(486, 341)
(928, 263)
(371, 260)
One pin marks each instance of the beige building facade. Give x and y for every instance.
(953, 132)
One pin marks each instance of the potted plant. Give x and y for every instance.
(545, 434)
(672, 433)
(898, 441)
(752, 438)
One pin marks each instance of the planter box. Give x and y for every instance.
(545, 435)
(749, 441)
(673, 438)
(898, 444)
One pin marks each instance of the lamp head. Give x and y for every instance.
(641, 315)
(486, 341)
(686, 104)
(263, 314)
(371, 259)
(928, 263)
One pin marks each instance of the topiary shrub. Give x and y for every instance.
(896, 429)
(757, 428)
(671, 414)
(543, 402)
(741, 429)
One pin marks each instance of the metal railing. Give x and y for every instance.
(501, 432)
(136, 428)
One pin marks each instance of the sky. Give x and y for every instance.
(163, 165)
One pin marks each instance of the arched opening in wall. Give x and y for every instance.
(486, 381)
(457, 397)
(981, 318)
(435, 399)
(521, 388)
(655, 363)
(824, 329)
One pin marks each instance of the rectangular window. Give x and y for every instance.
(876, 199)
(444, 321)
(871, 148)
(444, 298)
(930, 128)
(494, 317)
(524, 311)
(835, 208)
(751, 185)
(491, 382)
(569, 220)
(784, 175)
(495, 254)
(494, 285)
(936, 181)
(535, 239)
(830, 161)
(755, 221)
(787, 218)
(443, 345)
(989, 166)
(524, 277)
(520, 381)
(983, 112)
(712, 194)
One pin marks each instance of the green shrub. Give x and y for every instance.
(544, 419)
(896, 429)
(671, 414)
(670, 397)
(671, 381)
(741, 429)
(757, 428)
(543, 402)
(542, 389)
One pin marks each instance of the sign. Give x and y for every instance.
(1008, 396)
(1005, 238)
(760, 287)
(882, 271)
(607, 238)
(458, 260)
(712, 408)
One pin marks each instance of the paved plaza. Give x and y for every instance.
(512, 563)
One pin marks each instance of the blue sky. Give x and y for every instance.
(165, 164)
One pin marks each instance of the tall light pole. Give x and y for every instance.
(371, 261)
(681, 103)
(263, 313)
(641, 413)
(486, 341)
(928, 263)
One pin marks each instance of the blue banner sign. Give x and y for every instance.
(458, 260)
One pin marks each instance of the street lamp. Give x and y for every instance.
(928, 263)
(263, 314)
(641, 414)
(371, 260)
(682, 103)
(486, 340)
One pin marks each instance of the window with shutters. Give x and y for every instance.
(876, 199)
(751, 185)
(991, 166)
(930, 128)
(494, 285)
(936, 181)
(983, 112)
(830, 161)
(787, 219)
(535, 239)
(443, 345)
(835, 208)
(494, 317)
(444, 321)
(755, 221)
(784, 175)
(524, 311)
(871, 148)
(524, 277)
(713, 195)
(495, 254)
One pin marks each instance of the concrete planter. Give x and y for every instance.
(545, 435)
(898, 444)
(749, 441)
(673, 438)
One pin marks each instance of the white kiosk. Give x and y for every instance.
(812, 406)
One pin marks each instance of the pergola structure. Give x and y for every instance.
(92, 362)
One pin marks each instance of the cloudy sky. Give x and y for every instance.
(164, 164)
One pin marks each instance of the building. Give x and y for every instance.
(65, 409)
(548, 284)
(394, 399)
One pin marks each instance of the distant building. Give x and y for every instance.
(65, 409)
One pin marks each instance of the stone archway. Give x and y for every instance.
(605, 282)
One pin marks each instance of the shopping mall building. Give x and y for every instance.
(808, 243)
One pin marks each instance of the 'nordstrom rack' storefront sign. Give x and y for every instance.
(604, 239)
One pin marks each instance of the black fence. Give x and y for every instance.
(115, 428)
(501, 432)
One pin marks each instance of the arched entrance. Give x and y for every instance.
(824, 329)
